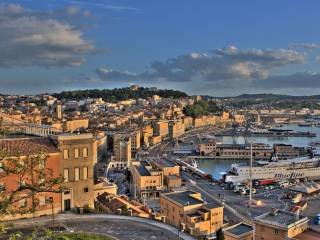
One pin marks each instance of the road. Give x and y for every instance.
(116, 226)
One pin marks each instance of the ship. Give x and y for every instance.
(296, 168)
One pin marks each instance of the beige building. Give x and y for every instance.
(171, 173)
(78, 154)
(188, 122)
(73, 125)
(279, 225)
(155, 140)
(147, 180)
(207, 146)
(135, 137)
(147, 132)
(160, 128)
(122, 149)
(186, 210)
(176, 128)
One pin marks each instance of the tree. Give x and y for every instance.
(29, 177)
(219, 234)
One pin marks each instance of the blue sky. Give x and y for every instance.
(202, 47)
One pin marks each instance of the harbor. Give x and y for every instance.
(215, 166)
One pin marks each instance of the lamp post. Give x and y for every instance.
(250, 197)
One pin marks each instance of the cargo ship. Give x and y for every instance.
(297, 168)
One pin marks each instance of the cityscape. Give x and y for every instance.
(218, 140)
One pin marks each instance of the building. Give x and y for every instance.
(187, 211)
(239, 118)
(176, 129)
(160, 128)
(135, 137)
(279, 225)
(75, 124)
(285, 151)
(240, 231)
(147, 132)
(243, 151)
(147, 180)
(78, 155)
(207, 146)
(171, 173)
(122, 149)
(24, 148)
(58, 111)
(188, 122)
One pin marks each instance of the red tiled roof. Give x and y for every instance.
(27, 146)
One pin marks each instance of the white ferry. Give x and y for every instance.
(297, 168)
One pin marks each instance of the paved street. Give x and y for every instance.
(119, 227)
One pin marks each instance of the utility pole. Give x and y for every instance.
(251, 158)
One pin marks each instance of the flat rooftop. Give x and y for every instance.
(165, 163)
(184, 198)
(281, 218)
(142, 170)
(239, 229)
(211, 205)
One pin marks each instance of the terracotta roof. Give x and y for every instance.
(27, 146)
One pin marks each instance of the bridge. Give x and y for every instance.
(27, 128)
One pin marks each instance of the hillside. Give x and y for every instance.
(118, 94)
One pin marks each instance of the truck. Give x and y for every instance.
(264, 182)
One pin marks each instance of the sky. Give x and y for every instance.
(217, 48)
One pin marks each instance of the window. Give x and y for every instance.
(76, 152)
(276, 231)
(86, 190)
(42, 200)
(85, 173)
(85, 152)
(65, 154)
(66, 175)
(23, 203)
(76, 174)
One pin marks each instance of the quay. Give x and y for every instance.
(267, 133)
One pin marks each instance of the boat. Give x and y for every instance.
(297, 168)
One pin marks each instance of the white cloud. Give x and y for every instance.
(72, 10)
(32, 39)
(223, 64)
(305, 45)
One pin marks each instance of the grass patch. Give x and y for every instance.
(81, 236)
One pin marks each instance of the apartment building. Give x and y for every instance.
(147, 180)
(122, 150)
(135, 137)
(147, 132)
(24, 149)
(176, 129)
(188, 211)
(279, 225)
(160, 128)
(78, 155)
